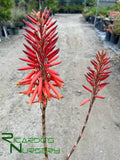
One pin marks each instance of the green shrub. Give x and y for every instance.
(103, 11)
(115, 7)
(5, 9)
(18, 16)
(117, 25)
(89, 12)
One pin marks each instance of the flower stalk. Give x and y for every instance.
(43, 109)
(94, 78)
(41, 55)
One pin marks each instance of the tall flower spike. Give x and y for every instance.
(95, 78)
(41, 54)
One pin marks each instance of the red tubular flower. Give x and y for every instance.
(96, 76)
(41, 55)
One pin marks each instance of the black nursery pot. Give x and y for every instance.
(15, 30)
(102, 25)
(114, 39)
(89, 20)
(92, 19)
(0, 32)
(118, 44)
(97, 25)
(9, 31)
(107, 37)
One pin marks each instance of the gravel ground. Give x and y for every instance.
(78, 44)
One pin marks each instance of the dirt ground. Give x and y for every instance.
(78, 44)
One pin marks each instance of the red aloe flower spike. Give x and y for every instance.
(94, 78)
(41, 53)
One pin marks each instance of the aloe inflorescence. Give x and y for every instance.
(42, 38)
(95, 78)
(41, 55)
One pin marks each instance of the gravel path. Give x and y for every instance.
(78, 44)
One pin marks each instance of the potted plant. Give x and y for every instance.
(114, 36)
(15, 21)
(112, 33)
(86, 13)
(15, 29)
(108, 34)
(103, 13)
(117, 28)
(109, 26)
(91, 14)
(5, 15)
(9, 26)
